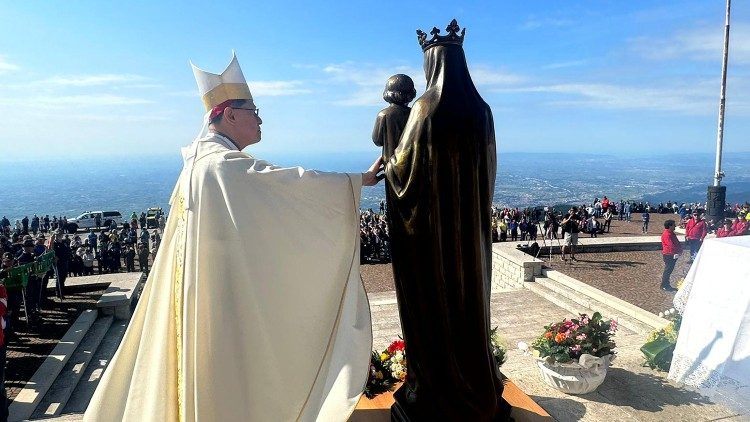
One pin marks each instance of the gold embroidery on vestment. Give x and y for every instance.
(178, 274)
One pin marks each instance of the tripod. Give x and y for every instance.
(544, 241)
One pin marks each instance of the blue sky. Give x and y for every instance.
(100, 78)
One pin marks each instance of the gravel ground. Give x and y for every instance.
(377, 277)
(631, 276)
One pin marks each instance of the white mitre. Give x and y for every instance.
(229, 85)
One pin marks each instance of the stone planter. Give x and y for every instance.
(581, 377)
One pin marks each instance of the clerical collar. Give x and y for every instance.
(223, 136)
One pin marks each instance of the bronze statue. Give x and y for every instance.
(399, 91)
(440, 180)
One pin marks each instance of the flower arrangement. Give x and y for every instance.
(389, 366)
(568, 340)
(660, 344)
(386, 368)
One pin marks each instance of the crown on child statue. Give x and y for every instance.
(452, 38)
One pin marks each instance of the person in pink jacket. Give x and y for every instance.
(695, 232)
(741, 227)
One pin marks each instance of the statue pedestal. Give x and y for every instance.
(378, 409)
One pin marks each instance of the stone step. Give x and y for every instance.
(557, 299)
(79, 400)
(57, 396)
(578, 303)
(623, 307)
(36, 388)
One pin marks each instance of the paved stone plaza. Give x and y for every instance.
(629, 393)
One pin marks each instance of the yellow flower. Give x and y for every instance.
(383, 357)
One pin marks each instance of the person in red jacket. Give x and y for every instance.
(725, 230)
(741, 227)
(695, 231)
(670, 250)
(3, 396)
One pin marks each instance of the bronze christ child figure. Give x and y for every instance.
(440, 181)
(390, 123)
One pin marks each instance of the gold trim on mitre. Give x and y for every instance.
(226, 92)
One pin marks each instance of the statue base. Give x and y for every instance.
(715, 203)
(383, 408)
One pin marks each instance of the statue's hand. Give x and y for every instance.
(374, 174)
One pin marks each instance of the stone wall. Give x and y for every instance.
(511, 267)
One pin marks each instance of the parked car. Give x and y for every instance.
(87, 220)
(152, 217)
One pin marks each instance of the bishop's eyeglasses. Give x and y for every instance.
(256, 111)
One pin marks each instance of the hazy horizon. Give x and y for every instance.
(86, 77)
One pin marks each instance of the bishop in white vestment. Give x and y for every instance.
(254, 309)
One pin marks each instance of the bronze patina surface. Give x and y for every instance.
(390, 123)
(441, 181)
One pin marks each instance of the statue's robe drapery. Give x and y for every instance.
(389, 125)
(442, 177)
(254, 309)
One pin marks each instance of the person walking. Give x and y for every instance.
(571, 228)
(670, 250)
(645, 217)
(143, 254)
(607, 219)
(92, 238)
(695, 232)
(627, 211)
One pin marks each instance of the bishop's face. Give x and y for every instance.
(249, 123)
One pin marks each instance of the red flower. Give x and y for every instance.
(396, 346)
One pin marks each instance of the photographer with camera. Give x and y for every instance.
(570, 227)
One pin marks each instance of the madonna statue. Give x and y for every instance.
(442, 177)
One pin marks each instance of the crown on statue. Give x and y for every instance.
(452, 38)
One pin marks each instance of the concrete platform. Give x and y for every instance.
(629, 393)
(118, 299)
(90, 280)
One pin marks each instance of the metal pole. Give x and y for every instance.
(720, 136)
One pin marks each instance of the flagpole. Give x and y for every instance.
(722, 102)
(717, 193)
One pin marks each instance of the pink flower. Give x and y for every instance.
(613, 325)
(581, 337)
(584, 320)
(576, 348)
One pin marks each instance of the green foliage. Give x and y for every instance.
(660, 345)
(499, 348)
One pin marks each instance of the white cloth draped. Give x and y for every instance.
(713, 348)
(254, 309)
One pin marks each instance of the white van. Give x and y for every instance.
(88, 219)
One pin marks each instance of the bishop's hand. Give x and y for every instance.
(374, 174)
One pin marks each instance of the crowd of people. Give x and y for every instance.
(107, 250)
(373, 236)
(548, 223)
